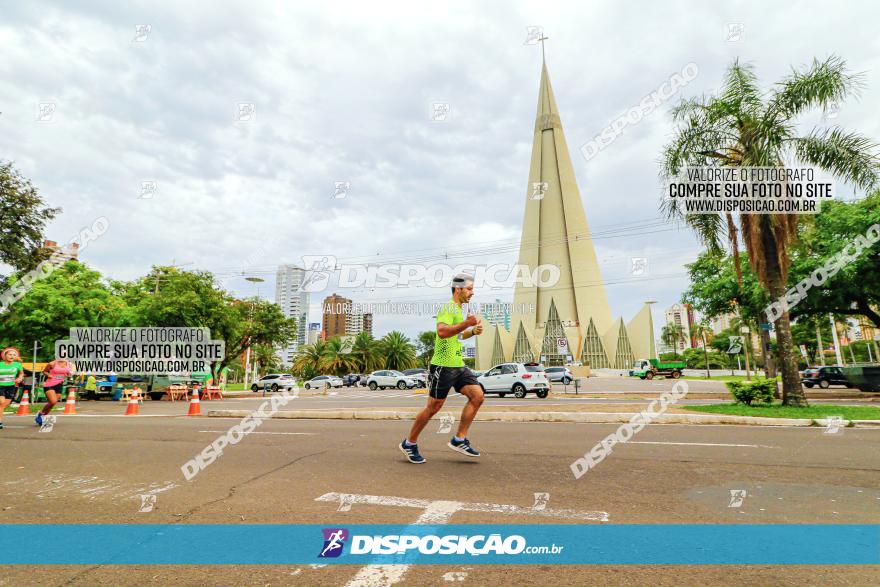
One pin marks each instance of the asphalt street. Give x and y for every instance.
(97, 468)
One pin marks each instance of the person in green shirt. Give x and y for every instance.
(448, 371)
(11, 374)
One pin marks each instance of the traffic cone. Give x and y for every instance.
(133, 408)
(24, 408)
(194, 405)
(70, 404)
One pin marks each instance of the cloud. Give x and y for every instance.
(343, 92)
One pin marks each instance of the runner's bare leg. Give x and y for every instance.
(474, 393)
(433, 406)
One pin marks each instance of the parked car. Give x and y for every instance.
(323, 382)
(420, 374)
(516, 378)
(352, 379)
(825, 377)
(562, 374)
(274, 382)
(391, 378)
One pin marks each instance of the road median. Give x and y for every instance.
(567, 417)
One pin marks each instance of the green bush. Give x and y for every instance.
(745, 392)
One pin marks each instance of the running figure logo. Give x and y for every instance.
(334, 540)
(318, 269)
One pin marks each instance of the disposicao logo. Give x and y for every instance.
(334, 540)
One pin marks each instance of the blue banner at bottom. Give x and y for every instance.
(275, 544)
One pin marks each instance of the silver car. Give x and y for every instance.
(562, 374)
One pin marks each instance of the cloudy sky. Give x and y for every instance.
(343, 92)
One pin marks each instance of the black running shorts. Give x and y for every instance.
(441, 379)
(9, 391)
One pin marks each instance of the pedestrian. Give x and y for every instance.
(56, 372)
(11, 374)
(448, 371)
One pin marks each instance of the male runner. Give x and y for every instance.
(11, 374)
(448, 370)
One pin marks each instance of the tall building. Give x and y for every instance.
(314, 332)
(722, 323)
(342, 318)
(682, 315)
(573, 313)
(71, 251)
(294, 304)
(497, 313)
(335, 310)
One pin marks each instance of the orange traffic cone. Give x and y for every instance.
(70, 404)
(194, 405)
(24, 408)
(133, 407)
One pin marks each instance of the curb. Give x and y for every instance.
(570, 417)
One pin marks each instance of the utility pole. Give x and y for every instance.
(835, 339)
(821, 348)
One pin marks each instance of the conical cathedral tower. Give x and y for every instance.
(555, 232)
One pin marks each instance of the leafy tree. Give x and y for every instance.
(23, 218)
(425, 346)
(169, 297)
(855, 288)
(744, 126)
(714, 289)
(803, 331)
(704, 359)
(702, 331)
(397, 351)
(71, 296)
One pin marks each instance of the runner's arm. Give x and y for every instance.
(450, 330)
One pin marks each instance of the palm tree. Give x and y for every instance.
(743, 126)
(307, 362)
(701, 330)
(335, 362)
(366, 353)
(399, 353)
(672, 334)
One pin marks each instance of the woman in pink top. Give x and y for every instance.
(55, 372)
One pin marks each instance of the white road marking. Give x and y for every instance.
(284, 433)
(702, 444)
(437, 512)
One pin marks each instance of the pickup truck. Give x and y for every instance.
(650, 368)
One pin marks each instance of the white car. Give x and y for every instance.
(323, 382)
(516, 378)
(391, 378)
(274, 382)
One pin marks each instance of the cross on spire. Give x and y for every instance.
(542, 39)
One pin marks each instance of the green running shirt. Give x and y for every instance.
(8, 373)
(447, 351)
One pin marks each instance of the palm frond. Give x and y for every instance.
(851, 157)
(824, 83)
